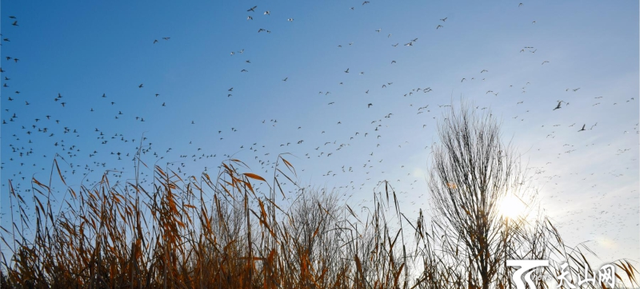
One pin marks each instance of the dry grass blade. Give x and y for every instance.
(288, 164)
(55, 161)
(255, 177)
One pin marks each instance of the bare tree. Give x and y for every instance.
(470, 240)
(472, 171)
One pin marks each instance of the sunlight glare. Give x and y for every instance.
(511, 207)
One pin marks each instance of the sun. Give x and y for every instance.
(511, 207)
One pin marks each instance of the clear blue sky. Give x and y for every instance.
(584, 53)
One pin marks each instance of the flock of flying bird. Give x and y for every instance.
(114, 151)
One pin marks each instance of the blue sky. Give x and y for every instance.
(533, 55)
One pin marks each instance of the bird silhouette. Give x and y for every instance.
(559, 104)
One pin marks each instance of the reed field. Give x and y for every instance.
(219, 232)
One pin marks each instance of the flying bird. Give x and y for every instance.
(252, 9)
(438, 27)
(559, 104)
(346, 71)
(583, 126)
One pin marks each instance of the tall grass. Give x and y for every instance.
(221, 232)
